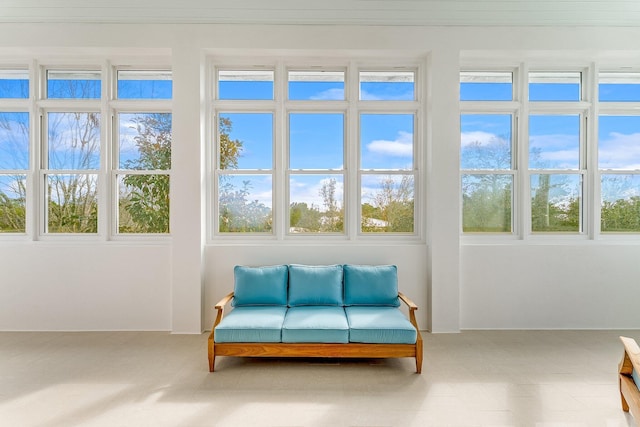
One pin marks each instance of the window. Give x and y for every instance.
(619, 86)
(486, 86)
(487, 172)
(523, 177)
(387, 172)
(324, 155)
(102, 160)
(556, 172)
(619, 163)
(316, 172)
(72, 152)
(245, 172)
(140, 177)
(14, 165)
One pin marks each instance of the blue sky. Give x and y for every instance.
(386, 140)
(554, 139)
(317, 139)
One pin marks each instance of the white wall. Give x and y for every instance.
(172, 286)
(550, 286)
(84, 287)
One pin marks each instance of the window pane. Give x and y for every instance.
(13, 206)
(316, 85)
(620, 205)
(245, 140)
(556, 203)
(486, 86)
(72, 203)
(245, 203)
(316, 141)
(619, 142)
(14, 140)
(245, 85)
(554, 142)
(145, 141)
(316, 204)
(486, 203)
(620, 87)
(387, 203)
(73, 84)
(486, 141)
(148, 84)
(143, 203)
(547, 86)
(74, 140)
(387, 85)
(386, 141)
(14, 84)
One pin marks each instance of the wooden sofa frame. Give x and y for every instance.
(350, 350)
(629, 393)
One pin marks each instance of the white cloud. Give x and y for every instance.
(402, 146)
(478, 137)
(334, 94)
(368, 96)
(307, 190)
(619, 151)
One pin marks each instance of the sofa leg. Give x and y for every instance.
(419, 357)
(212, 354)
(623, 401)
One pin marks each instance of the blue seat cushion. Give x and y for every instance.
(323, 324)
(636, 378)
(251, 324)
(371, 285)
(260, 285)
(379, 325)
(315, 285)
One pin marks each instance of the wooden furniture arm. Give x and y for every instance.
(412, 306)
(631, 359)
(220, 307)
(224, 301)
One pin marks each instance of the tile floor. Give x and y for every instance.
(476, 378)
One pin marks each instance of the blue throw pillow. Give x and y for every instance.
(260, 285)
(315, 285)
(371, 285)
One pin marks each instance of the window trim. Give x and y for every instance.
(282, 106)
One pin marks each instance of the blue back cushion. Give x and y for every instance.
(260, 285)
(371, 285)
(315, 285)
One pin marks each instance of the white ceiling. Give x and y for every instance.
(581, 13)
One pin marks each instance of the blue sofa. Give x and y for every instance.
(350, 311)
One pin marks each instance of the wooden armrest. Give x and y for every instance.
(412, 306)
(224, 301)
(632, 354)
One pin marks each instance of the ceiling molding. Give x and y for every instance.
(545, 13)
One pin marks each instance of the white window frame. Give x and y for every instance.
(281, 107)
(590, 109)
(38, 106)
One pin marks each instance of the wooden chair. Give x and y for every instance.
(629, 393)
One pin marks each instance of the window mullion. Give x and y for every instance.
(280, 188)
(592, 193)
(353, 179)
(522, 214)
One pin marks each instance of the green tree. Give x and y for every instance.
(332, 220)
(144, 202)
(622, 215)
(74, 144)
(392, 210)
(303, 218)
(486, 203)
